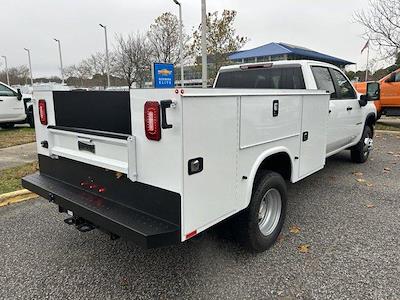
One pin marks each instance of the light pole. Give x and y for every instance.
(108, 61)
(181, 41)
(5, 61)
(61, 63)
(30, 65)
(204, 43)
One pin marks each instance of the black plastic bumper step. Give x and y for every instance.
(109, 215)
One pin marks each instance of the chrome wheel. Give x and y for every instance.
(270, 211)
(368, 145)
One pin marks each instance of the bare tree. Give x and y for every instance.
(133, 59)
(97, 64)
(164, 38)
(82, 72)
(382, 25)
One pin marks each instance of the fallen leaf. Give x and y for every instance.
(361, 180)
(370, 206)
(390, 152)
(387, 169)
(303, 248)
(397, 155)
(294, 229)
(358, 174)
(369, 184)
(280, 238)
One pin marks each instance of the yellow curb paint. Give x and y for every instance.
(14, 194)
(15, 197)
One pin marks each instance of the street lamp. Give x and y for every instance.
(108, 61)
(204, 43)
(61, 63)
(181, 41)
(30, 65)
(5, 61)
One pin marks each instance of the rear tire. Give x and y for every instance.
(361, 151)
(260, 224)
(7, 125)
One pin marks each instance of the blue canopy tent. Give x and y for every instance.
(282, 51)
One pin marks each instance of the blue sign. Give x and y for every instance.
(164, 76)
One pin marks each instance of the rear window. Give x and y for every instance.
(262, 78)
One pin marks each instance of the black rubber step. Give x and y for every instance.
(109, 215)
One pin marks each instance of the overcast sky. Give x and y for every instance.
(324, 26)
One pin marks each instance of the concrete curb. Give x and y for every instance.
(15, 197)
(387, 131)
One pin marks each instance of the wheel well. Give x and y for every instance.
(370, 122)
(279, 163)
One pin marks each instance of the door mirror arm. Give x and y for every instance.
(19, 94)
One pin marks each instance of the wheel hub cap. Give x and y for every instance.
(269, 212)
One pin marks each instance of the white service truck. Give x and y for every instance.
(160, 166)
(15, 107)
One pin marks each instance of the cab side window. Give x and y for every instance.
(397, 78)
(5, 91)
(346, 90)
(324, 80)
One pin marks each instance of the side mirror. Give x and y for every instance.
(391, 78)
(364, 100)
(373, 91)
(19, 94)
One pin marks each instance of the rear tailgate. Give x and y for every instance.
(89, 127)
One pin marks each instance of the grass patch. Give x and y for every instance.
(10, 179)
(16, 136)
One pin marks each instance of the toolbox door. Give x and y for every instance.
(313, 135)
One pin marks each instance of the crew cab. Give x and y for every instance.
(159, 166)
(387, 94)
(15, 108)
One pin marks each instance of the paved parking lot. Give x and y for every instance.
(352, 227)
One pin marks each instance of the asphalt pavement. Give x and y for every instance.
(351, 222)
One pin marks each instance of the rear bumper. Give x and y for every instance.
(107, 214)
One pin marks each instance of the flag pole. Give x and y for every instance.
(366, 68)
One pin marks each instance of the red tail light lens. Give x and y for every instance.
(152, 124)
(42, 112)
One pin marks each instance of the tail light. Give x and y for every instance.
(42, 112)
(152, 124)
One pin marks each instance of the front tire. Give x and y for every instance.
(30, 119)
(361, 151)
(260, 224)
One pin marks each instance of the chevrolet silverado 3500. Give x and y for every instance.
(160, 166)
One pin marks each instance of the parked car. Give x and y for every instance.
(15, 107)
(160, 166)
(387, 95)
